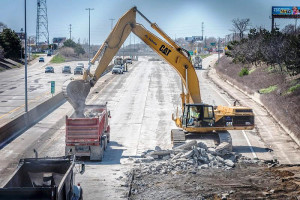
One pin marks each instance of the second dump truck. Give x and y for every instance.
(43, 179)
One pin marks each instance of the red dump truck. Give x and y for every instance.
(88, 136)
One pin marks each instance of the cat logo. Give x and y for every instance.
(164, 50)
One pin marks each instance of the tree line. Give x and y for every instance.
(278, 49)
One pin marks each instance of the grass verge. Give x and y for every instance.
(268, 89)
(57, 59)
(293, 89)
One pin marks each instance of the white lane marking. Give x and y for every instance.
(250, 146)
(244, 133)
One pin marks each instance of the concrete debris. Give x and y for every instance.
(191, 156)
(187, 146)
(157, 148)
(223, 148)
(202, 145)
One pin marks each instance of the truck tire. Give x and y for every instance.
(96, 152)
(106, 144)
(104, 139)
(108, 138)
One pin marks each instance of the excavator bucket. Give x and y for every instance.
(76, 92)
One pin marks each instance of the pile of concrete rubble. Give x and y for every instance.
(191, 156)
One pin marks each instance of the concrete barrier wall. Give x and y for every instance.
(17, 126)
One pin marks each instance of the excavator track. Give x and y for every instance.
(177, 137)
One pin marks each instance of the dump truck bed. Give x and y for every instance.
(86, 131)
(41, 178)
(88, 136)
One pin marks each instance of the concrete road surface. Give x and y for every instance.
(12, 87)
(141, 103)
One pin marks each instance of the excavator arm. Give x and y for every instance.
(170, 51)
(177, 57)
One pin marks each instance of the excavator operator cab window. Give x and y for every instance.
(198, 116)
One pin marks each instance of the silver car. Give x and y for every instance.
(117, 69)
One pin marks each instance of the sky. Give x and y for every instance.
(178, 18)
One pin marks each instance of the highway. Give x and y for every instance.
(12, 87)
(141, 102)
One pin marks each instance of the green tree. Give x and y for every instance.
(79, 50)
(77, 47)
(70, 43)
(11, 44)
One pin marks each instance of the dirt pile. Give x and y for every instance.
(193, 171)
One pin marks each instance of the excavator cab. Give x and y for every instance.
(198, 115)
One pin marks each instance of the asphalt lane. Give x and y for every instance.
(12, 87)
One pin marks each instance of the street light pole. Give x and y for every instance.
(26, 102)
(21, 43)
(89, 9)
(112, 23)
(218, 50)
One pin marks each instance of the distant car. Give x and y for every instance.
(129, 60)
(41, 60)
(49, 54)
(66, 69)
(49, 69)
(117, 69)
(80, 64)
(78, 70)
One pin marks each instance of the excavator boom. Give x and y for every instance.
(76, 91)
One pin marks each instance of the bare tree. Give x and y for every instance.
(290, 29)
(240, 26)
(2, 26)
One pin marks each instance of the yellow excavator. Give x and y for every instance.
(197, 117)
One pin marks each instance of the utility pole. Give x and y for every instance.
(26, 102)
(123, 51)
(21, 43)
(134, 46)
(219, 50)
(202, 29)
(112, 23)
(42, 23)
(130, 46)
(89, 9)
(70, 30)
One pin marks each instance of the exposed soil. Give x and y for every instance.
(284, 106)
(245, 181)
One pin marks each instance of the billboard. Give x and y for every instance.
(59, 39)
(286, 11)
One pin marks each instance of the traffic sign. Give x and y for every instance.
(52, 87)
(213, 44)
